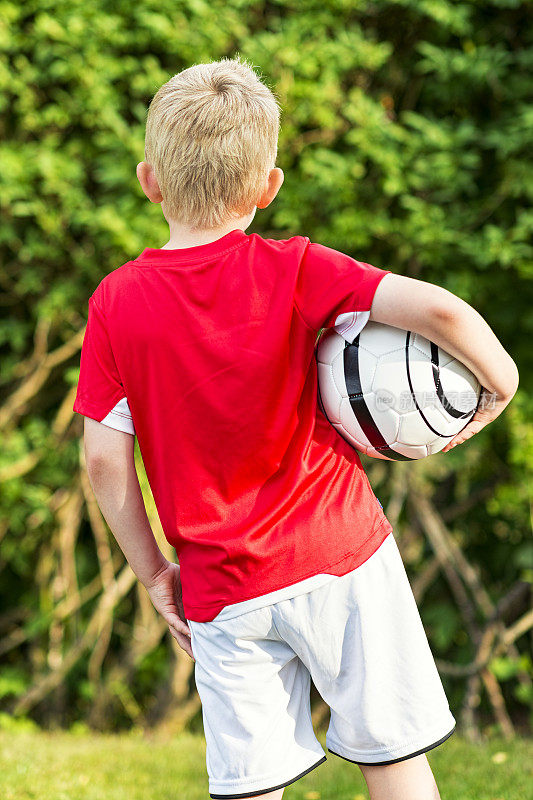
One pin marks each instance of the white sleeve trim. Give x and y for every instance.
(120, 417)
(351, 324)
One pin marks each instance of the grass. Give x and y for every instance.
(66, 766)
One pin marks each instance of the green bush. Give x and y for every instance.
(404, 141)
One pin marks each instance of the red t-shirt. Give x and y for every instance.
(211, 350)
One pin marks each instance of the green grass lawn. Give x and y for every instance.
(66, 766)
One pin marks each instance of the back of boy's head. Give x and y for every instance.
(211, 139)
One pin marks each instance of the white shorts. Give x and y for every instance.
(360, 639)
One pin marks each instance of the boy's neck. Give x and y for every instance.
(182, 237)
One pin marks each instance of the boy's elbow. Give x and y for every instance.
(98, 466)
(443, 315)
(102, 465)
(447, 311)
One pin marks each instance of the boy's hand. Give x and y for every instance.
(165, 594)
(490, 407)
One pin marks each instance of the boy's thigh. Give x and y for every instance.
(255, 695)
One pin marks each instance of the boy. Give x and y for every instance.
(204, 349)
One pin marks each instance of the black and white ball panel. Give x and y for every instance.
(392, 393)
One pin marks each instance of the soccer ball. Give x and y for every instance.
(392, 393)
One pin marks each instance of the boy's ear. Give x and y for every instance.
(148, 182)
(273, 185)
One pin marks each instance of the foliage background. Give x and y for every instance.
(404, 143)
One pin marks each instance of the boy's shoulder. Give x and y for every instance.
(112, 282)
(296, 244)
(315, 252)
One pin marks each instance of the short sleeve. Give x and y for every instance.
(100, 393)
(333, 289)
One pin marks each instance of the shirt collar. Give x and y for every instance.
(159, 256)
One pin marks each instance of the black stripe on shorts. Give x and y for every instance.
(271, 789)
(395, 760)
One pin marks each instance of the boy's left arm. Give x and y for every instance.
(109, 457)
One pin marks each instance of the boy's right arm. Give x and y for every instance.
(452, 324)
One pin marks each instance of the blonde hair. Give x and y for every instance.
(211, 139)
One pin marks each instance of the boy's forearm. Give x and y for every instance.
(452, 324)
(117, 491)
(465, 335)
